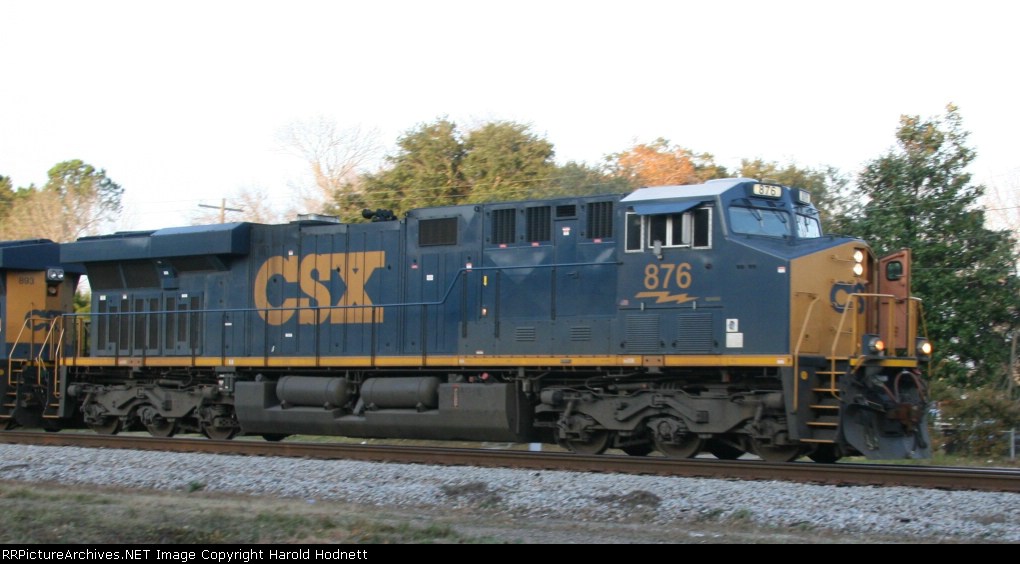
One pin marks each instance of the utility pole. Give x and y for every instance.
(223, 209)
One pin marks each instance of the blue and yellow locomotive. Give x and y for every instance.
(680, 319)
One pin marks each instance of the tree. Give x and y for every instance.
(437, 165)
(7, 195)
(919, 196)
(504, 161)
(579, 179)
(77, 200)
(660, 164)
(335, 158)
(426, 171)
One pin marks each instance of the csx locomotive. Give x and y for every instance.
(680, 319)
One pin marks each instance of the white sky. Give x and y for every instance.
(181, 101)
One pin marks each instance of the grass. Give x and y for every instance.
(39, 514)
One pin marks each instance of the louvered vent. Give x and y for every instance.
(539, 224)
(580, 333)
(694, 333)
(600, 220)
(504, 226)
(525, 335)
(643, 334)
(434, 232)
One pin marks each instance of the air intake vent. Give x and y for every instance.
(694, 333)
(643, 334)
(566, 211)
(539, 225)
(525, 335)
(504, 226)
(600, 220)
(580, 333)
(434, 232)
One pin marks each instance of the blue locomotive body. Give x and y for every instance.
(686, 318)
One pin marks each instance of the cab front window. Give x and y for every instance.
(808, 227)
(760, 221)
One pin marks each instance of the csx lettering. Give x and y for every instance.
(661, 277)
(312, 274)
(839, 296)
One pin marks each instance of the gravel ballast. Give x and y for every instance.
(894, 512)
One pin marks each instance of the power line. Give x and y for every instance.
(223, 209)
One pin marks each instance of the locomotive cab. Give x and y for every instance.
(740, 270)
(36, 289)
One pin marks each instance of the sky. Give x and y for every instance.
(182, 102)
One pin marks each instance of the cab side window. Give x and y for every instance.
(691, 229)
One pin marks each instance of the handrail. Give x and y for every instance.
(796, 352)
(14, 347)
(851, 305)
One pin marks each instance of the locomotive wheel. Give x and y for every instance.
(106, 426)
(597, 443)
(161, 428)
(825, 454)
(723, 450)
(773, 453)
(219, 433)
(643, 449)
(688, 446)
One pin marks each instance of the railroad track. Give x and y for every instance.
(950, 478)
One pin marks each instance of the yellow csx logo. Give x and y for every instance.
(313, 274)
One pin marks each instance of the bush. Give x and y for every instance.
(976, 422)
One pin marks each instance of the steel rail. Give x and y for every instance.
(844, 474)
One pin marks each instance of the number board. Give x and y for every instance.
(766, 191)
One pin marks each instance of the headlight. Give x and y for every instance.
(859, 257)
(873, 345)
(924, 349)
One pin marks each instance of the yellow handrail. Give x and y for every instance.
(796, 352)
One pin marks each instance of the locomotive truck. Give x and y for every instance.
(681, 319)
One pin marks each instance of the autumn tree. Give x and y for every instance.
(77, 200)
(920, 196)
(661, 164)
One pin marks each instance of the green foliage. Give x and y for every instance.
(578, 179)
(503, 161)
(437, 165)
(425, 172)
(919, 196)
(88, 196)
(82, 302)
(77, 200)
(975, 422)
